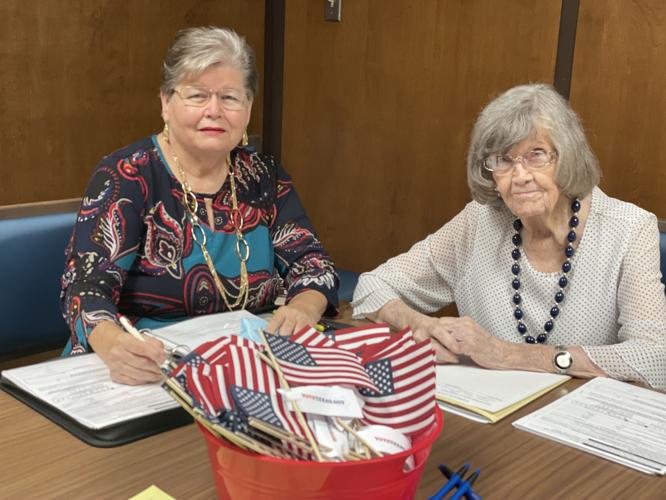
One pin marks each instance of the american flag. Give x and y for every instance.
(255, 404)
(309, 336)
(207, 385)
(249, 372)
(211, 352)
(214, 351)
(405, 399)
(303, 365)
(357, 339)
(397, 343)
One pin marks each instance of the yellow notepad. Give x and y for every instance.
(152, 493)
(490, 395)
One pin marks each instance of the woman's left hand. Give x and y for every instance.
(473, 341)
(303, 310)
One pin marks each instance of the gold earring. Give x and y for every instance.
(244, 140)
(165, 133)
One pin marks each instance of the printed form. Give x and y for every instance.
(614, 420)
(81, 387)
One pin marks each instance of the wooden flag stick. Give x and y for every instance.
(363, 441)
(175, 387)
(266, 360)
(176, 392)
(297, 410)
(278, 433)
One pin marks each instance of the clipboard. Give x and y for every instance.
(107, 437)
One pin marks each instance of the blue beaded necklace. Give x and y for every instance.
(562, 282)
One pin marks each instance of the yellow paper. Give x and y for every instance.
(152, 493)
(490, 395)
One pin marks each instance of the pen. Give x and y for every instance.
(454, 479)
(335, 325)
(129, 328)
(466, 486)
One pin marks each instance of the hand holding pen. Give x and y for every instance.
(132, 359)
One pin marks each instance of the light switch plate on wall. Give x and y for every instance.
(333, 10)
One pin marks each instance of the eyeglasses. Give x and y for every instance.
(229, 99)
(503, 164)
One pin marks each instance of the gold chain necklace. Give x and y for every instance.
(199, 236)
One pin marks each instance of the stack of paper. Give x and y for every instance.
(614, 420)
(490, 395)
(81, 387)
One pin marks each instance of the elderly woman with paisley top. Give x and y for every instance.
(190, 221)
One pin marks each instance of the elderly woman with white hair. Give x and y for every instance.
(548, 273)
(190, 221)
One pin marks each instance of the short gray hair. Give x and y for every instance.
(197, 49)
(516, 115)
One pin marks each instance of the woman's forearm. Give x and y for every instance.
(397, 314)
(541, 358)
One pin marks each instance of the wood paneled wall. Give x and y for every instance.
(619, 89)
(80, 79)
(378, 109)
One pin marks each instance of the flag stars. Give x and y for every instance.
(380, 373)
(255, 404)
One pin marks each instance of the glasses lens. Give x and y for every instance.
(194, 96)
(536, 158)
(498, 164)
(231, 99)
(197, 96)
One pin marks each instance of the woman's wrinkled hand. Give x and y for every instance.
(445, 346)
(471, 340)
(129, 360)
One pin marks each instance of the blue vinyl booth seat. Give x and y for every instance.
(348, 281)
(32, 259)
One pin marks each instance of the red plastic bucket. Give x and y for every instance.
(243, 475)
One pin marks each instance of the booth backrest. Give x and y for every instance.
(348, 281)
(31, 263)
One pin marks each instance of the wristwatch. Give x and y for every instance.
(562, 360)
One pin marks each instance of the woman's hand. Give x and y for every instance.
(304, 309)
(129, 360)
(445, 346)
(473, 341)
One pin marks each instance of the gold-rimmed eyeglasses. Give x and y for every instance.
(503, 164)
(198, 97)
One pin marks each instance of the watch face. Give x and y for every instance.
(563, 360)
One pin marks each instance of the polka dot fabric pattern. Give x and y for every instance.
(615, 307)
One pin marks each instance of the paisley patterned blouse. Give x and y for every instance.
(132, 250)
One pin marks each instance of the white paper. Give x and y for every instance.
(81, 387)
(490, 390)
(194, 332)
(329, 435)
(457, 410)
(614, 420)
(331, 401)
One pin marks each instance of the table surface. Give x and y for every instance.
(41, 460)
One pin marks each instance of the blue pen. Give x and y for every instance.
(453, 481)
(466, 486)
(448, 473)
